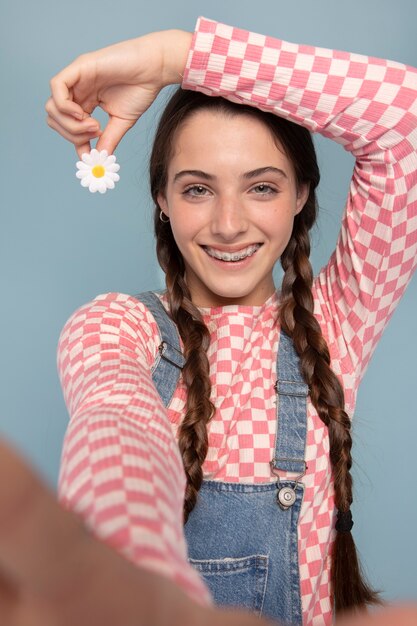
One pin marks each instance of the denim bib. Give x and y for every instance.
(243, 538)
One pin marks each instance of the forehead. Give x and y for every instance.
(226, 140)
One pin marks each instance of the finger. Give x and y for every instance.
(68, 123)
(81, 142)
(61, 85)
(82, 149)
(114, 131)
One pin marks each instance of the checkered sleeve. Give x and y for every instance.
(369, 106)
(120, 467)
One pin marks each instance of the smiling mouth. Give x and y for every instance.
(233, 257)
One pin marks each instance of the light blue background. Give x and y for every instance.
(60, 245)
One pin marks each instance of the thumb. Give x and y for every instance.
(113, 133)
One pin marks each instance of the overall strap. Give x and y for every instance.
(170, 360)
(292, 394)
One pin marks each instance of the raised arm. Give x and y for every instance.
(367, 105)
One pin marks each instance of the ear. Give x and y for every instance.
(163, 204)
(302, 196)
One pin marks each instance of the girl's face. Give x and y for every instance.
(231, 198)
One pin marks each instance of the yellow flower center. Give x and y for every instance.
(98, 171)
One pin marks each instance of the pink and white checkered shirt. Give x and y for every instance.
(121, 468)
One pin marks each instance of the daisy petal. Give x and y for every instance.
(82, 166)
(113, 176)
(83, 173)
(109, 183)
(101, 185)
(87, 158)
(110, 159)
(85, 181)
(113, 167)
(103, 155)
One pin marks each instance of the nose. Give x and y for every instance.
(229, 218)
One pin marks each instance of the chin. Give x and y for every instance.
(223, 297)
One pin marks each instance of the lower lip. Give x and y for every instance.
(232, 265)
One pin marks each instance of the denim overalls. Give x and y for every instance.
(242, 538)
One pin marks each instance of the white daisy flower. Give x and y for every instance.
(97, 171)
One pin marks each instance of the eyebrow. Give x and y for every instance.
(246, 176)
(196, 173)
(264, 170)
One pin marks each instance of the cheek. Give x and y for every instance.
(183, 230)
(186, 225)
(278, 225)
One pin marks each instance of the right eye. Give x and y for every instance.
(197, 191)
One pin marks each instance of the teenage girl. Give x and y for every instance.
(258, 385)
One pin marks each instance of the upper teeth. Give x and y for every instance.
(232, 256)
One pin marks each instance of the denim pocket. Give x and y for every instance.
(236, 582)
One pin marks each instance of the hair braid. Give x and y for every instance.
(192, 434)
(326, 392)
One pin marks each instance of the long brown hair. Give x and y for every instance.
(350, 590)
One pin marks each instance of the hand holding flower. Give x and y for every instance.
(123, 79)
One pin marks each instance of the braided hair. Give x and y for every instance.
(350, 590)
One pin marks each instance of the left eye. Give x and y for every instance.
(263, 189)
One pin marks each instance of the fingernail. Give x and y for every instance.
(92, 129)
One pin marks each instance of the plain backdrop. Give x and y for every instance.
(60, 245)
